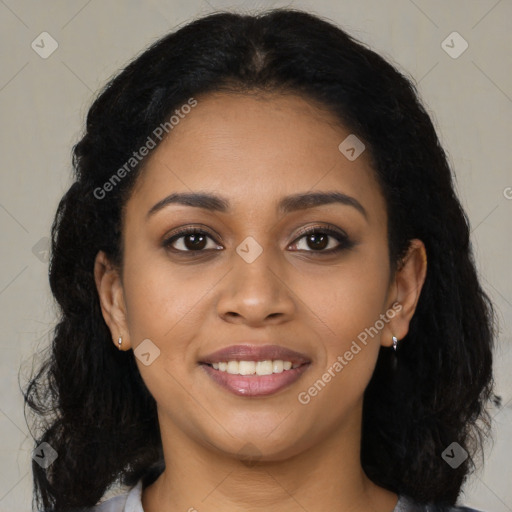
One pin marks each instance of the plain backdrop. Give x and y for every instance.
(43, 102)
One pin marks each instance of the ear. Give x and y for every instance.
(405, 291)
(110, 291)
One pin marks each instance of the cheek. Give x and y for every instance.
(345, 299)
(162, 305)
(160, 297)
(347, 303)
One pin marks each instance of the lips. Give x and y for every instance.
(255, 353)
(252, 386)
(255, 385)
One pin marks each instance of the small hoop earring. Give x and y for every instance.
(395, 343)
(120, 341)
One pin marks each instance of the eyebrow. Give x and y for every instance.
(288, 204)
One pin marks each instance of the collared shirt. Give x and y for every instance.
(130, 501)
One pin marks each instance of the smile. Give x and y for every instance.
(255, 378)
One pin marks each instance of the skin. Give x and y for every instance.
(253, 150)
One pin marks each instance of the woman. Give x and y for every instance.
(248, 320)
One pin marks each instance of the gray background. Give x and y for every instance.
(43, 102)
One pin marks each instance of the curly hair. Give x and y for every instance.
(91, 403)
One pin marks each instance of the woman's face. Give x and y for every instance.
(255, 278)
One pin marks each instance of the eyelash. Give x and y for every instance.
(344, 241)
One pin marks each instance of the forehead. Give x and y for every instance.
(254, 149)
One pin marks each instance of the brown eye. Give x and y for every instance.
(323, 240)
(189, 240)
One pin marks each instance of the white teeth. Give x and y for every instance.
(277, 366)
(247, 367)
(232, 367)
(266, 367)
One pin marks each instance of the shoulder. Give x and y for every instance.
(463, 509)
(129, 501)
(407, 504)
(115, 504)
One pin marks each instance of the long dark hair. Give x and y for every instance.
(91, 404)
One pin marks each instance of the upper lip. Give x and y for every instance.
(255, 353)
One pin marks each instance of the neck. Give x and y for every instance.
(325, 476)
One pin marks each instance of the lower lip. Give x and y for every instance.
(255, 385)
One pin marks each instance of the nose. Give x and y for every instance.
(256, 293)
